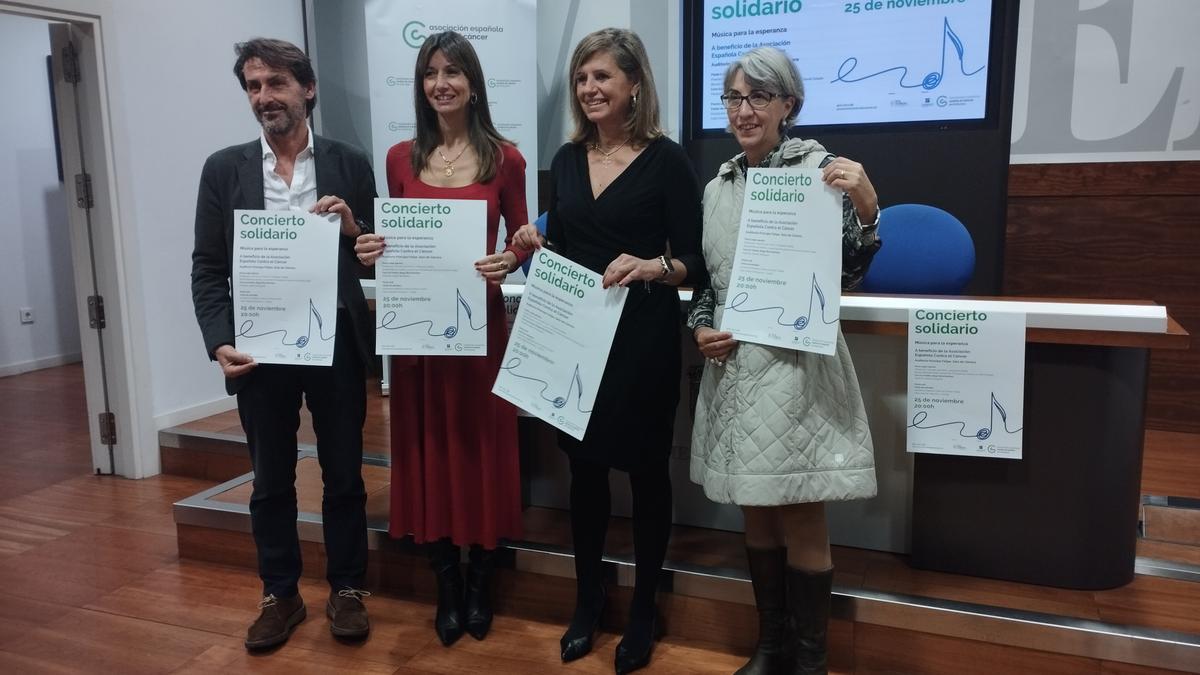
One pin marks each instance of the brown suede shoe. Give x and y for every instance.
(347, 614)
(279, 616)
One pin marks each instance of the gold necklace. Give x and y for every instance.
(450, 162)
(606, 158)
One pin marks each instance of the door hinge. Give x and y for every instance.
(108, 428)
(96, 311)
(70, 64)
(83, 191)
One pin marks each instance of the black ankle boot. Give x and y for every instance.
(479, 591)
(577, 641)
(634, 649)
(771, 655)
(808, 606)
(450, 618)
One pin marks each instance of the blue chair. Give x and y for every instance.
(541, 226)
(926, 251)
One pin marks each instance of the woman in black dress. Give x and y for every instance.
(624, 202)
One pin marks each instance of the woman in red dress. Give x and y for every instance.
(455, 468)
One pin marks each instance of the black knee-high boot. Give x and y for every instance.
(590, 508)
(479, 591)
(808, 597)
(771, 656)
(449, 621)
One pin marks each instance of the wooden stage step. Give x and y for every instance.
(888, 617)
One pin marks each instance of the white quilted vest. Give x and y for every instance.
(775, 426)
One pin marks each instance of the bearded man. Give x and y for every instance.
(290, 168)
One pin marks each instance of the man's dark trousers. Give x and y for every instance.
(269, 405)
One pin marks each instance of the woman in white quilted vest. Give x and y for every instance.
(779, 432)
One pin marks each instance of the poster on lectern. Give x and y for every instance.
(560, 342)
(285, 286)
(786, 286)
(966, 382)
(503, 34)
(429, 298)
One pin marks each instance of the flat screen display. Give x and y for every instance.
(862, 61)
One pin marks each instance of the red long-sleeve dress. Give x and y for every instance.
(455, 465)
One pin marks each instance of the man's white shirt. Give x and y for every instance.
(302, 193)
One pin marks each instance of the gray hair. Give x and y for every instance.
(770, 69)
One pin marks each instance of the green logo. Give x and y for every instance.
(414, 34)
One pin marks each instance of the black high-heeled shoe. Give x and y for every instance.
(578, 645)
(626, 661)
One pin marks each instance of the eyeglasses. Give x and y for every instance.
(757, 99)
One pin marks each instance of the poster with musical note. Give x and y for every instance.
(786, 286)
(429, 298)
(285, 286)
(966, 382)
(560, 342)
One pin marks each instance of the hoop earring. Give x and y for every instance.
(474, 98)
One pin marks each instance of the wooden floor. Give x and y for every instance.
(91, 581)
(1153, 602)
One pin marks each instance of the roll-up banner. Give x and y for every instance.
(504, 34)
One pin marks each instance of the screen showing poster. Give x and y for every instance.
(862, 61)
(966, 382)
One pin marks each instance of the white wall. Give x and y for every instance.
(1107, 81)
(35, 260)
(174, 101)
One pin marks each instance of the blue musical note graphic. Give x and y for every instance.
(575, 385)
(461, 306)
(982, 434)
(930, 81)
(300, 342)
(801, 322)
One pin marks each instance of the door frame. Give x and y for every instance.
(116, 358)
